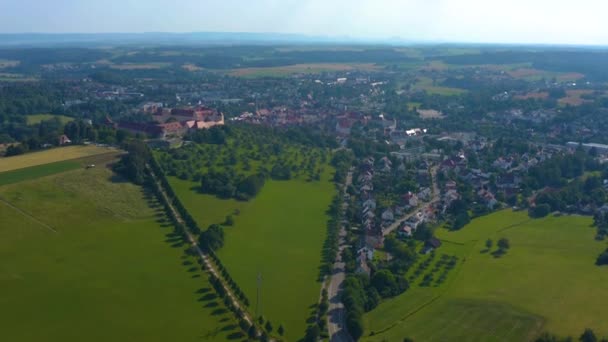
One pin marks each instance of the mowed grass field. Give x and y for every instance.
(50, 156)
(279, 235)
(547, 281)
(85, 256)
(35, 119)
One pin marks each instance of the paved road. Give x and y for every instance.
(434, 199)
(336, 318)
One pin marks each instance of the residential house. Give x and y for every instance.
(362, 266)
(425, 194)
(410, 199)
(430, 245)
(63, 140)
(370, 203)
(388, 215)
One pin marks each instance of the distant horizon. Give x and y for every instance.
(244, 37)
(546, 22)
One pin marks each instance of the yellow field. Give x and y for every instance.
(50, 156)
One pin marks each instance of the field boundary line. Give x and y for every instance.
(28, 216)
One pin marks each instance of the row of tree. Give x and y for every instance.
(587, 336)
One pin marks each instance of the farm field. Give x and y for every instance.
(426, 84)
(35, 119)
(531, 74)
(139, 66)
(110, 269)
(50, 156)
(312, 68)
(13, 77)
(4, 63)
(547, 281)
(574, 97)
(279, 234)
(33, 172)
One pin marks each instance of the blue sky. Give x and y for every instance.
(507, 21)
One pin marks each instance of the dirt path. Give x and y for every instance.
(209, 266)
(28, 216)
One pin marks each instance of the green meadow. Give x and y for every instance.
(278, 235)
(35, 119)
(426, 84)
(547, 281)
(85, 255)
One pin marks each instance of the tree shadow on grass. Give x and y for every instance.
(236, 335)
(211, 305)
(219, 311)
(229, 327)
(115, 178)
(208, 297)
(499, 253)
(203, 290)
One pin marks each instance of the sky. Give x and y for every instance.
(489, 21)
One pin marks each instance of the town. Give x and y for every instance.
(393, 189)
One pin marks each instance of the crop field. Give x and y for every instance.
(531, 74)
(4, 63)
(542, 95)
(85, 256)
(35, 119)
(50, 156)
(426, 84)
(139, 66)
(14, 77)
(33, 172)
(279, 235)
(312, 68)
(430, 114)
(547, 281)
(574, 97)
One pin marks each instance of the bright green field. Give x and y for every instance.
(279, 234)
(546, 281)
(110, 272)
(35, 119)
